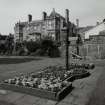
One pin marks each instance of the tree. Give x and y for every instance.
(9, 44)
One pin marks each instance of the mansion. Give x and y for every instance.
(53, 25)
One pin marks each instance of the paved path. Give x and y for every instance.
(98, 95)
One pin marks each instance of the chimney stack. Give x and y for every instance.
(44, 16)
(77, 22)
(29, 18)
(97, 23)
(67, 15)
(103, 20)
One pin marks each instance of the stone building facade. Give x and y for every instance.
(53, 26)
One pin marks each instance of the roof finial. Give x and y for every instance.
(19, 20)
(53, 9)
(53, 12)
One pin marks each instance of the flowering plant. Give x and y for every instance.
(54, 78)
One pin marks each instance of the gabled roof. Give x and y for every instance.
(21, 23)
(84, 29)
(102, 32)
(95, 26)
(55, 14)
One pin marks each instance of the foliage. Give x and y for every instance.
(38, 52)
(50, 48)
(6, 44)
(32, 46)
(46, 47)
(46, 44)
(54, 52)
(20, 52)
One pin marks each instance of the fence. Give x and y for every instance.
(92, 50)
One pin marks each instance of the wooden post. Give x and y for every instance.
(67, 45)
(77, 44)
(87, 49)
(98, 47)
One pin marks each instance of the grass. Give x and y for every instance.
(16, 60)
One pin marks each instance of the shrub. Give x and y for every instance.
(54, 52)
(45, 47)
(20, 52)
(32, 46)
(46, 44)
(38, 52)
(49, 47)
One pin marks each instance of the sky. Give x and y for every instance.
(87, 11)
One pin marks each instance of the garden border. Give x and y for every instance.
(38, 92)
(57, 96)
(78, 76)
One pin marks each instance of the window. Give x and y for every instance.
(64, 24)
(27, 28)
(35, 27)
(49, 24)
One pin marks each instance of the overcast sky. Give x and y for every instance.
(87, 11)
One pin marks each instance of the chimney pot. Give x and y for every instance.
(44, 16)
(77, 22)
(29, 18)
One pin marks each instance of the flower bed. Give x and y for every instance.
(52, 83)
(39, 92)
(83, 65)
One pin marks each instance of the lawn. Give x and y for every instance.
(11, 66)
(16, 60)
